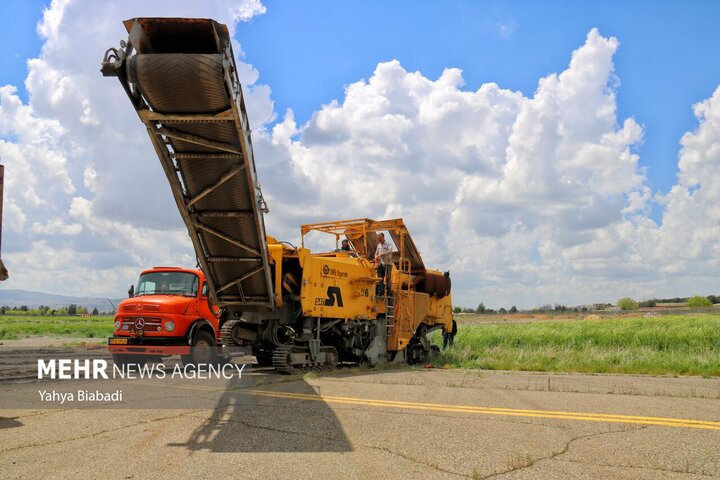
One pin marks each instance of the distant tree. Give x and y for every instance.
(627, 304)
(513, 309)
(81, 310)
(698, 301)
(95, 311)
(468, 310)
(502, 310)
(648, 303)
(714, 299)
(671, 300)
(72, 309)
(560, 308)
(481, 308)
(3, 309)
(23, 308)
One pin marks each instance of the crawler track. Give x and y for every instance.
(281, 360)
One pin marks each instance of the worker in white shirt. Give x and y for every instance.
(383, 257)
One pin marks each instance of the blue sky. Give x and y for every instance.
(530, 197)
(667, 61)
(308, 51)
(19, 40)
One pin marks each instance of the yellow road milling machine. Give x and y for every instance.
(292, 308)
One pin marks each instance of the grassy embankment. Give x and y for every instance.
(671, 345)
(20, 326)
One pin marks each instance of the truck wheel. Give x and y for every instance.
(203, 352)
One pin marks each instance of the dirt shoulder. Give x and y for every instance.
(51, 341)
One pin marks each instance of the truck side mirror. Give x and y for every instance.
(131, 291)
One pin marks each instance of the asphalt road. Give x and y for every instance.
(388, 424)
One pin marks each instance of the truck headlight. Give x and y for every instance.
(117, 325)
(169, 326)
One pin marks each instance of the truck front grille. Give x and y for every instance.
(144, 324)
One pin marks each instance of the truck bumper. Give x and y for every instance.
(165, 346)
(162, 346)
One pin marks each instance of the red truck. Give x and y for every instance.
(169, 313)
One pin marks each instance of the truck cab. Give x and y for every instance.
(168, 313)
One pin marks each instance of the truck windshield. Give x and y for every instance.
(167, 283)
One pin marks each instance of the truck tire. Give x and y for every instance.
(203, 350)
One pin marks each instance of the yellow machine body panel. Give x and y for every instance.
(416, 308)
(275, 252)
(338, 285)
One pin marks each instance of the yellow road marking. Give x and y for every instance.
(581, 416)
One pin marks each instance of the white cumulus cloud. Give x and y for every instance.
(525, 199)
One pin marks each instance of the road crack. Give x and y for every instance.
(92, 435)
(422, 463)
(530, 462)
(219, 421)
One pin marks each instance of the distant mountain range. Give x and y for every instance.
(16, 298)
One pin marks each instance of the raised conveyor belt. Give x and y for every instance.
(181, 77)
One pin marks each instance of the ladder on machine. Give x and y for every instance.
(390, 314)
(391, 300)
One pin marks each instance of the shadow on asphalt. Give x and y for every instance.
(263, 424)
(9, 423)
(248, 423)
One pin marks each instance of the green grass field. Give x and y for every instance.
(20, 326)
(671, 345)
